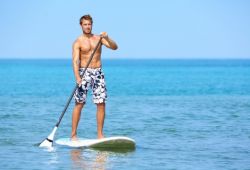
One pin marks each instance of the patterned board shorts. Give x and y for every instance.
(94, 79)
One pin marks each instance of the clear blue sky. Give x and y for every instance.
(142, 28)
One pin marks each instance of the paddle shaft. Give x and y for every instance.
(72, 94)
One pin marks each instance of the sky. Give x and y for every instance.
(142, 28)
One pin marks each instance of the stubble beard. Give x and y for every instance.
(87, 32)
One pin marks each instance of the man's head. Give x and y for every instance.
(86, 24)
(86, 17)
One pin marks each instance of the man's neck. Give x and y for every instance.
(87, 35)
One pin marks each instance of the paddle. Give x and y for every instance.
(48, 142)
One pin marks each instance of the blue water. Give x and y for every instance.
(183, 114)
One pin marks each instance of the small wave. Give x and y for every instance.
(7, 142)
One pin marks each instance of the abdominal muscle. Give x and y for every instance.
(95, 62)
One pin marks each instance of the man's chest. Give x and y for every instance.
(87, 45)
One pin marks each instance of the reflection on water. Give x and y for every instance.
(94, 159)
(82, 159)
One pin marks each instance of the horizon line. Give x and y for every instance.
(138, 58)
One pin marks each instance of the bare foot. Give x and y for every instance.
(74, 138)
(100, 136)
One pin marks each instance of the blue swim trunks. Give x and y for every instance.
(94, 79)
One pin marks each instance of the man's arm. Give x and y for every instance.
(76, 61)
(108, 42)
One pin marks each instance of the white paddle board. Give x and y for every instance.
(118, 142)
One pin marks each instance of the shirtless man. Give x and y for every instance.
(94, 76)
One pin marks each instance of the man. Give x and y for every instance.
(94, 76)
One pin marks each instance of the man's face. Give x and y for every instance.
(86, 26)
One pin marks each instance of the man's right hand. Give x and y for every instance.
(79, 81)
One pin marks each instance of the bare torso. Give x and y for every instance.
(86, 48)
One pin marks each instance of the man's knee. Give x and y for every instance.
(79, 105)
(100, 105)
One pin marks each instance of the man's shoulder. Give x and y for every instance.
(96, 36)
(78, 38)
(77, 41)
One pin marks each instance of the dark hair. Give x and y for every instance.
(86, 17)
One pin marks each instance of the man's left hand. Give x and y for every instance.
(104, 35)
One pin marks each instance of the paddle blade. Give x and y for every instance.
(48, 142)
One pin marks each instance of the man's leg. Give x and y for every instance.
(100, 115)
(75, 119)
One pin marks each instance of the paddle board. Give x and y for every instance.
(118, 142)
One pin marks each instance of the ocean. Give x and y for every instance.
(183, 114)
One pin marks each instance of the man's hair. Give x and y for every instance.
(86, 17)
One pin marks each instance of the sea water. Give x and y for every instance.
(183, 114)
